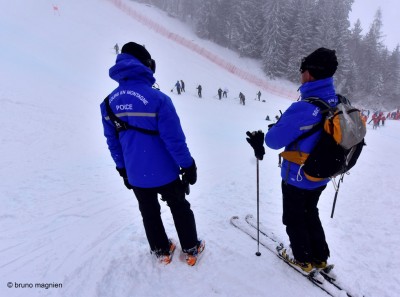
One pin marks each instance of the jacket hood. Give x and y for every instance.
(127, 67)
(322, 88)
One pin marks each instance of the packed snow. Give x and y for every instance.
(68, 225)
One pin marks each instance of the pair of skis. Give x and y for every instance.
(322, 278)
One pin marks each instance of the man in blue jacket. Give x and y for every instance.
(300, 192)
(152, 152)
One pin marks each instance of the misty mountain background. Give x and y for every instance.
(280, 33)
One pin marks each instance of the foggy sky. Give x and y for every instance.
(365, 11)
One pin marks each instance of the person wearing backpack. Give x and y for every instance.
(151, 152)
(308, 246)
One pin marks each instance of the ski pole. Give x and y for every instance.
(258, 213)
(336, 194)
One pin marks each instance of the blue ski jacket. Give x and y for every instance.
(150, 160)
(296, 120)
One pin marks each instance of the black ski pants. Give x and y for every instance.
(303, 226)
(149, 206)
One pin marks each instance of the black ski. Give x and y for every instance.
(324, 272)
(271, 243)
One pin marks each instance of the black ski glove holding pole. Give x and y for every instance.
(190, 174)
(256, 140)
(122, 173)
(270, 126)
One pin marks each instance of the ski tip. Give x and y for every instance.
(249, 216)
(234, 218)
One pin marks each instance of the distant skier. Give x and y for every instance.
(242, 98)
(219, 93)
(259, 95)
(225, 93)
(178, 87)
(375, 120)
(199, 91)
(116, 47)
(182, 86)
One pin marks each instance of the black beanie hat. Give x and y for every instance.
(140, 53)
(321, 63)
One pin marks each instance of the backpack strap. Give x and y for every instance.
(324, 107)
(343, 99)
(120, 125)
(297, 156)
(321, 104)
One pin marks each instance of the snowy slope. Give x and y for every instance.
(66, 217)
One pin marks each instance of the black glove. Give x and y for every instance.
(190, 174)
(256, 140)
(270, 126)
(122, 173)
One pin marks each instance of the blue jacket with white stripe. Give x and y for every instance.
(295, 121)
(150, 160)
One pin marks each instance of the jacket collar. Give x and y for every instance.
(322, 88)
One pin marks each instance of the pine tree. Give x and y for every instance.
(354, 46)
(341, 39)
(302, 36)
(275, 35)
(188, 10)
(395, 74)
(392, 78)
(370, 67)
(220, 32)
(246, 25)
(205, 19)
(324, 31)
(354, 43)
